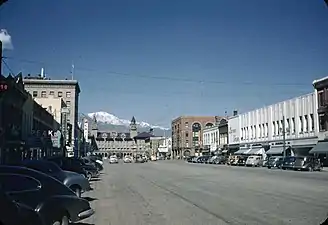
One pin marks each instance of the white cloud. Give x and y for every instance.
(6, 39)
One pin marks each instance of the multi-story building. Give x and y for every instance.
(187, 134)
(294, 121)
(25, 126)
(54, 106)
(121, 143)
(211, 139)
(68, 90)
(165, 147)
(321, 97)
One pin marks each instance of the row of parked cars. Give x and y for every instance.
(113, 159)
(47, 191)
(308, 163)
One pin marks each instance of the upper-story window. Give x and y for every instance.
(43, 94)
(321, 98)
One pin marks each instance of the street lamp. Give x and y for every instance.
(283, 130)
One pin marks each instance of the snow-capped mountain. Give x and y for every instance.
(105, 117)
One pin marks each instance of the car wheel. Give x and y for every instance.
(89, 176)
(62, 221)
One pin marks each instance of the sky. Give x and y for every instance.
(157, 60)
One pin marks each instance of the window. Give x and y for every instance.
(301, 124)
(267, 129)
(43, 94)
(18, 183)
(278, 128)
(60, 94)
(187, 143)
(321, 98)
(187, 134)
(68, 104)
(52, 93)
(287, 126)
(35, 94)
(68, 94)
(186, 124)
(273, 128)
(312, 122)
(293, 125)
(306, 121)
(322, 123)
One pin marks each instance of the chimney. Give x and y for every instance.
(235, 113)
(151, 131)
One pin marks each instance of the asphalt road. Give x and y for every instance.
(178, 193)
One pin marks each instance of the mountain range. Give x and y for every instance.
(110, 122)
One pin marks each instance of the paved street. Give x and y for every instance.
(178, 193)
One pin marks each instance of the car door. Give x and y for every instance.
(21, 188)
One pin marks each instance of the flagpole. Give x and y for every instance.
(72, 71)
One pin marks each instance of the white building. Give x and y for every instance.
(265, 125)
(165, 146)
(211, 139)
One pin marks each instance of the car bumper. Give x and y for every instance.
(85, 214)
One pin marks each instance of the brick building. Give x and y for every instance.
(187, 134)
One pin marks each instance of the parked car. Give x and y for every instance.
(13, 213)
(55, 202)
(275, 162)
(70, 164)
(308, 163)
(95, 162)
(254, 160)
(140, 159)
(77, 182)
(127, 159)
(113, 159)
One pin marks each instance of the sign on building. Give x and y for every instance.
(56, 139)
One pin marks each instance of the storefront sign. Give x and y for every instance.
(55, 138)
(40, 133)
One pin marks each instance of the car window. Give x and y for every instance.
(16, 183)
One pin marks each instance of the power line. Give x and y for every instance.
(7, 66)
(199, 81)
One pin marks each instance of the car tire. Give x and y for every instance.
(63, 220)
(89, 176)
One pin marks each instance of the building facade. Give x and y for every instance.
(25, 126)
(121, 143)
(211, 139)
(264, 126)
(68, 90)
(187, 134)
(321, 94)
(165, 147)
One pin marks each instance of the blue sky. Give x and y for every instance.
(171, 57)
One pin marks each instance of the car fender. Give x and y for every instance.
(59, 205)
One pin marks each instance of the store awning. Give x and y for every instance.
(256, 151)
(275, 150)
(320, 148)
(242, 151)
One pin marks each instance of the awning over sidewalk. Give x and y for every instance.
(256, 151)
(320, 148)
(275, 150)
(242, 151)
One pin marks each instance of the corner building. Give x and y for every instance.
(187, 135)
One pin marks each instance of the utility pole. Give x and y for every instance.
(284, 135)
(0, 58)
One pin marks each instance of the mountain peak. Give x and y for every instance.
(105, 117)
